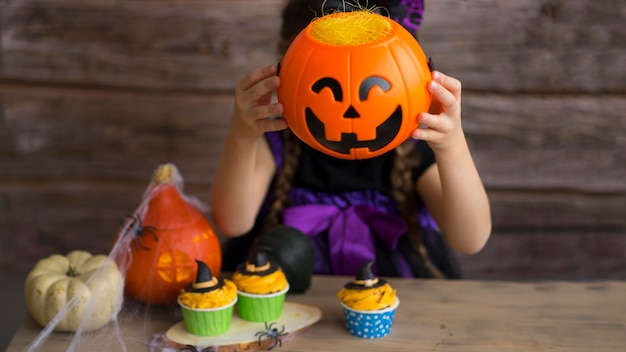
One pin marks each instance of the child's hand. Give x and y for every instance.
(441, 128)
(253, 110)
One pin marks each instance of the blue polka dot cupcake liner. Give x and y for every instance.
(372, 324)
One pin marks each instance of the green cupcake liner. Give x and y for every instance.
(260, 308)
(207, 322)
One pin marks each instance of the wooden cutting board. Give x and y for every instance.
(244, 335)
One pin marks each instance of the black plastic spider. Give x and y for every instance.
(138, 231)
(191, 348)
(272, 333)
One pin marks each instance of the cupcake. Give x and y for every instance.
(207, 303)
(261, 287)
(369, 304)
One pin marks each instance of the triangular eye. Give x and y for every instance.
(330, 83)
(371, 82)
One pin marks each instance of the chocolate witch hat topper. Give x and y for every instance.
(205, 281)
(258, 263)
(365, 279)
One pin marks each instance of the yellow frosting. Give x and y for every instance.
(261, 284)
(212, 299)
(368, 299)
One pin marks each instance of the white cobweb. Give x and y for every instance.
(135, 325)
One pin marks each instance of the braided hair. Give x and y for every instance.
(404, 193)
(284, 180)
(296, 16)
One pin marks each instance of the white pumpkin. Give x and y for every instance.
(75, 289)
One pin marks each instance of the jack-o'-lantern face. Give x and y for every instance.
(164, 246)
(370, 131)
(357, 101)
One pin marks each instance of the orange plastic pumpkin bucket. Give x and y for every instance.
(354, 101)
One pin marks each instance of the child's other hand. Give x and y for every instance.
(441, 127)
(253, 112)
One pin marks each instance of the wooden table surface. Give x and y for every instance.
(460, 315)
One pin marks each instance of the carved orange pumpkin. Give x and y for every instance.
(354, 101)
(166, 243)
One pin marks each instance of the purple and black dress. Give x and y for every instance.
(345, 207)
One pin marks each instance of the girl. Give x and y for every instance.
(353, 210)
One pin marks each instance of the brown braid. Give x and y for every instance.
(404, 193)
(296, 15)
(284, 180)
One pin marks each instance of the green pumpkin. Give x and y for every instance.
(293, 251)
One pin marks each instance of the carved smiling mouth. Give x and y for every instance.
(385, 133)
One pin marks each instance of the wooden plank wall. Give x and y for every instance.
(95, 94)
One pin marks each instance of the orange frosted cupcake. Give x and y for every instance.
(261, 287)
(207, 303)
(369, 304)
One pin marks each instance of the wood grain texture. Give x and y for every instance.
(534, 142)
(435, 315)
(548, 142)
(577, 254)
(555, 238)
(181, 45)
(63, 133)
(513, 46)
(242, 335)
(529, 45)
